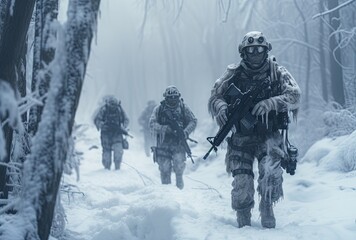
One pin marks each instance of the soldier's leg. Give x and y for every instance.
(178, 167)
(242, 194)
(270, 180)
(106, 155)
(118, 152)
(164, 160)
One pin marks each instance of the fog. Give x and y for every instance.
(141, 47)
(136, 59)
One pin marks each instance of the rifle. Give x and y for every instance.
(240, 111)
(172, 123)
(125, 132)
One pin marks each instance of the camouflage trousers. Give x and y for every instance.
(242, 150)
(111, 143)
(171, 158)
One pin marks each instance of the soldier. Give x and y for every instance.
(112, 122)
(144, 121)
(170, 151)
(263, 139)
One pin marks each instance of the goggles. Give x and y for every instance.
(252, 49)
(173, 97)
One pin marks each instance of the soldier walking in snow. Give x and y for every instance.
(144, 121)
(112, 122)
(171, 123)
(258, 134)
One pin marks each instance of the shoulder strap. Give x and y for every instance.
(182, 107)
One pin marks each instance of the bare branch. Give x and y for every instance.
(227, 12)
(291, 40)
(334, 9)
(208, 186)
(179, 9)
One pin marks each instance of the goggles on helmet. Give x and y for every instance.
(253, 49)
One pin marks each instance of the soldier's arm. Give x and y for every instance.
(126, 119)
(216, 100)
(98, 119)
(155, 127)
(290, 96)
(191, 119)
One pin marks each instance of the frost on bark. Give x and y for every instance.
(43, 54)
(44, 166)
(15, 20)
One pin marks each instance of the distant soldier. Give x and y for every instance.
(112, 122)
(144, 122)
(171, 123)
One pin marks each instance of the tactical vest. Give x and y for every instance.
(178, 114)
(245, 81)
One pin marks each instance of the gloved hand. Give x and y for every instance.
(166, 129)
(263, 107)
(221, 117)
(186, 134)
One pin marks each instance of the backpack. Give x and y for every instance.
(112, 116)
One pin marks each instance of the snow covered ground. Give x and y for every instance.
(131, 204)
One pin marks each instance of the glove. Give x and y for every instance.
(263, 107)
(166, 129)
(186, 134)
(221, 117)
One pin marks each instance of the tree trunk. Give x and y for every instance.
(307, 71)
(43, 54)
(337, 83)
(13, 38)
(324, 82)
(44, 167)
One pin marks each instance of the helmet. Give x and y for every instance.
(171, 92)
(111, 100)
(151, 103)
(252, 39)
(171, 95)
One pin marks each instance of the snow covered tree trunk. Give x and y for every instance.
(44, 166)
(46, 13)
(15, 22)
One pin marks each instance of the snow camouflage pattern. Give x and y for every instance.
(169, 153)
(109, 120)
(264, 141)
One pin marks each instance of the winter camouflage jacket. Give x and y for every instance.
(283, 91)
(159, 127)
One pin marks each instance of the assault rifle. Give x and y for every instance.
(178, 131)
(239, 111)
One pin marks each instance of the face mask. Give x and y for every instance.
(255, 58)
(172, 101)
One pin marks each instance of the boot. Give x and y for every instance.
(179, 182)
(267, 217)
(244, 217)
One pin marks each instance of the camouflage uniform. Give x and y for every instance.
(264, 140)
(144, 121)
(110, 120)
(169, 153)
